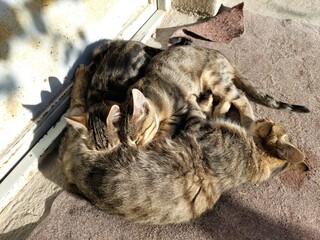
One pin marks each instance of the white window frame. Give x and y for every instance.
(23, 162)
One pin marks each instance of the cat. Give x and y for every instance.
(116, 64)
(157, 101)
(119, 64)
(175, 180)
(171, 77)
(170, 180)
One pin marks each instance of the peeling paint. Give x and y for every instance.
(6, 33)
(40, 40)
(31, 78)
(9, 26)
(97, 8)
(13, 104)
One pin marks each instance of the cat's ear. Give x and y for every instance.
(289, 153)
(113, 115)
(77, 121)
(140, 104)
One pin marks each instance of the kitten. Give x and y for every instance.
(92, 114)
(90, 126)
(157, 101)
(167, 85)
(177, 180)
(119, 64)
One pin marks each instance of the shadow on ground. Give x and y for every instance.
(24, 231)
(228, 220)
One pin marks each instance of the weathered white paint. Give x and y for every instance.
(40, 41)
(26, 192)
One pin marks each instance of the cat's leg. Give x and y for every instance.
(242, 104)
(195, 114)
(79, 91)
(196, 109)
(222, 108)
(247, 118)
(169, 126)
(223, 87)
(205, 102)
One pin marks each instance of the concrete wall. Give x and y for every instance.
(41, 43)
(297, 10)
(200, 7)
(306, 11)
(33, 202)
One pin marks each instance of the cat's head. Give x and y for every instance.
(98, 127)
(141, 122)
(120, 63)
(275, 141)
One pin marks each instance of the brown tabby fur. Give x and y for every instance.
(176, 180)
(120, 64)
(116, 65)
(158, 100)
(171, 78)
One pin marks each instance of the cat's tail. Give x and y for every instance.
(262, 97)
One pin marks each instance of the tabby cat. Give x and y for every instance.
(171, 77)
(176, 180)
(117, 64)
(157, 101)
(89, 128)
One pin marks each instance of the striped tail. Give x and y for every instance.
(293, 107)
(263, 98)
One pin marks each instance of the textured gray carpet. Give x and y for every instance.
(282, 57)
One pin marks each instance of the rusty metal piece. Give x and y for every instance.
(221, 28)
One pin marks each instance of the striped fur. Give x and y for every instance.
(172, 180)
(263, 98)
(177, 180)
(119, 64)
(93, 117)
(177, 73)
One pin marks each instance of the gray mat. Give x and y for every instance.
(282, 57)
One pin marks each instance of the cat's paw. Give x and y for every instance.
(192, 99)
